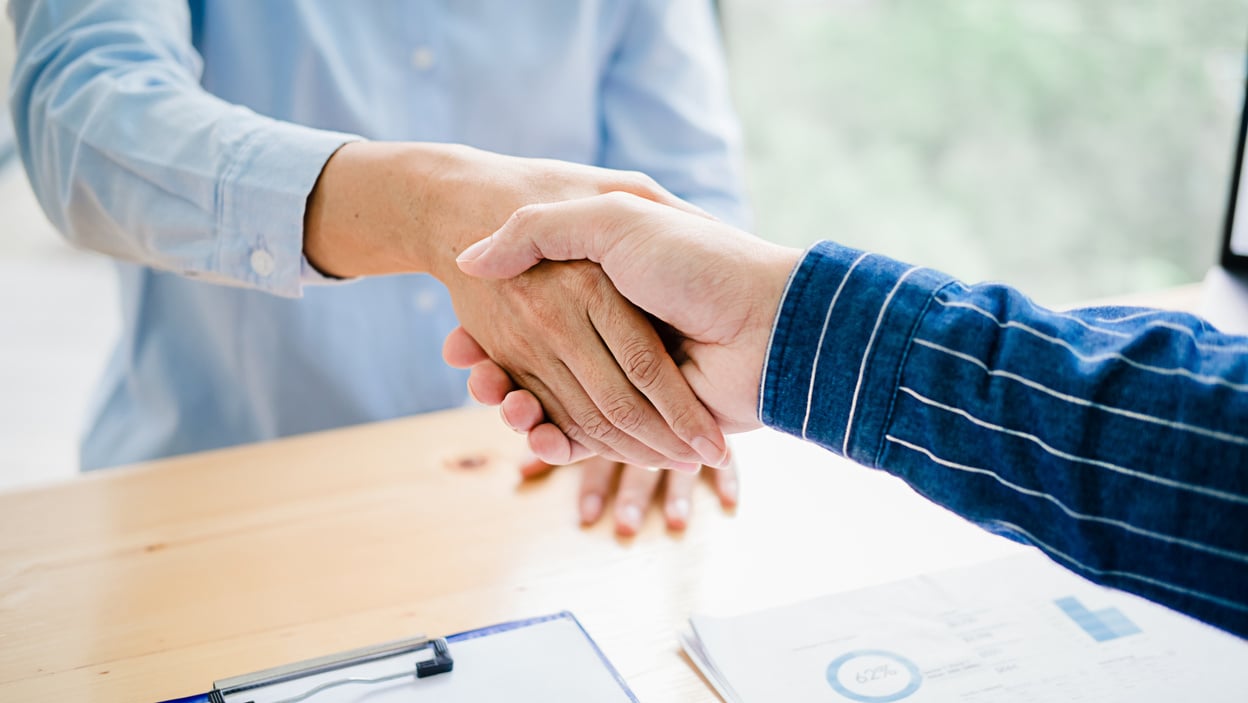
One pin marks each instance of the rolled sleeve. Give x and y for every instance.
(263, 200)
(838, 345)
(130, 156)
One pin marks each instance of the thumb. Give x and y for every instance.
(564, 231)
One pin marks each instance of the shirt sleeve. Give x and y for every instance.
(666, 107)
(1113, 439)
(130, 156)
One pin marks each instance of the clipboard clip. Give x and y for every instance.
(236, 689)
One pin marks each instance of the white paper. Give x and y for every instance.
(1224, 295)
(1011, 630)
(539, 663)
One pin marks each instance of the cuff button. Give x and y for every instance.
(262, 262)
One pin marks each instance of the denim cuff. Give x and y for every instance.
(838, 346)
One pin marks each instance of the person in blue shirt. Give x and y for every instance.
(1113, 439)
(238, 158)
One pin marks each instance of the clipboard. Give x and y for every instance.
(538, 660)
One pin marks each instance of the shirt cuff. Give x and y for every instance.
(310, 275)
(838, 345)
(263, 197)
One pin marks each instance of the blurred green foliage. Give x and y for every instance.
(1074, 148)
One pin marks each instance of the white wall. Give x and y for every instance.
(58, 317)
(6, 66)
(6, 51)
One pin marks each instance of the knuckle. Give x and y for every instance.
(523, 217)
(642, 363)
(625, 414)
(571, 430)
(619, 198)
(524, 379)
(643, 181)
(684, 420)
(543, 314)
(599, 429)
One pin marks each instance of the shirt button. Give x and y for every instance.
(262, 262)
(426, 301)
(422, 58)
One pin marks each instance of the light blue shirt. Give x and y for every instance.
(184, 141)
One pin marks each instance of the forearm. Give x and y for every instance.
(129, 156)
(389, 207)
(1116, 442)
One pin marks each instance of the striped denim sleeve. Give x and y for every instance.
(1113, 439)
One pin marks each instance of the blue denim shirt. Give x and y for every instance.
(1113, 439)
(183, 139)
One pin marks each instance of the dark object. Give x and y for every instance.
(441, 662)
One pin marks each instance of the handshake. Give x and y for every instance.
(638, 346)
(687, 341)
(607, 317)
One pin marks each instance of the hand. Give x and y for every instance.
(636, 488)
(717, 287)
(383, 208)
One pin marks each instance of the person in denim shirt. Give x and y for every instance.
(1113, 439)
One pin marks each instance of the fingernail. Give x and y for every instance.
(685, 467)
(475, 251)
(591, 508)
(711, 454)
(730, 491)
(503, 415)
(630, 518)
(678, 511)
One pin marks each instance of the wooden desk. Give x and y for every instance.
(150, 582)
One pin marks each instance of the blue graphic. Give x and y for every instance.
(1101, 625)
(871, 676)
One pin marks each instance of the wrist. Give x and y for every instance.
(377, 209)
(455, 207)
(773, 273)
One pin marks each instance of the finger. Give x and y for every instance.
(727, 485)
(521, 411)
(597, 474)
(585, 423)
(678, 499)
(547, 440)
(567, 421)
(636, 490)
(563, 231)
(549, 443)
(646, 187)
(632, 421)
(461, 351)
(669, 417)
(488, 383)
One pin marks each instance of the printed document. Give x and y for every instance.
(1007, 631)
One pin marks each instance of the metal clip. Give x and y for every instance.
(229, 690)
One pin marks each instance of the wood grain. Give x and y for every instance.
(150, 582)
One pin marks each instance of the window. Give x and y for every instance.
(1075, 149)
